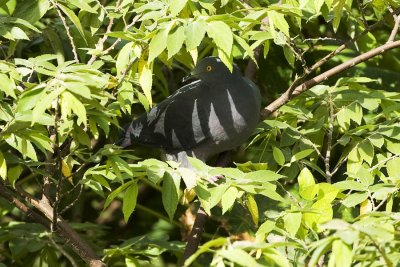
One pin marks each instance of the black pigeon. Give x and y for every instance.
(215, 113)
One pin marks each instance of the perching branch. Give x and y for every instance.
(69, 235)
(290, 93)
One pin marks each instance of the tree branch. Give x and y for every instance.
(290, 93)
(194, 237)
(395, 29)
(69, 235)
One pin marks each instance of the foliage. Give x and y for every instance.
(318, 184)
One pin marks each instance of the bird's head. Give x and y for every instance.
(211, 68)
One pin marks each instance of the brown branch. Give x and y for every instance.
(6, 194)
(395, 29)
(71, 40)
(194, 237)
(100, 43)
(290, 93)
(329, 141)
(69, 235)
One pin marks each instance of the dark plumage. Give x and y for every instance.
(215, 113)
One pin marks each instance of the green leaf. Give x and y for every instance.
(44, 103)
(355, 199)
(365, 176)
(170, 197)
(302, 154)
(23, 145)
(262, 176)
(14, 173)
(75, 105)
(221, 34)
(342, 254)
(275, 256)
(198, 165)
(78, 89)
(278, 155)
(377, 140)
(292, 222)
(229, 198)
(264, 230)
(31, 11)
(129, 201)
(158, 44)
(176, 6)
(18, 33)
(343, 118)
(3, 167)
(289, 55)
(7, 85)
(30, 98)
(350, 185)
(277, 20)
(245, 46)
(322, 212)
(217, 242)
(366, 150)
(307, 187)
(195, 32)
(188, 176)
(253, 208)
(75, 20)
(238, 256)
(146, 81)
(124, 58)
(175, 41)
(115, 193)
(393, 167)
(83, 5)
(216, 194)
(337, 13)
(269, 191)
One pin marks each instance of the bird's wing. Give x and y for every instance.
(175, 124)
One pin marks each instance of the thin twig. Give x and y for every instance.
(100, 43)
(70, 205)
(328, 173)
(64, 252)
(58, 172)
(338, 165)
(71, 40)
(395, 29)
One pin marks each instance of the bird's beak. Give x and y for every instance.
(188, 77)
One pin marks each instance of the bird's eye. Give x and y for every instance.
(209, 68)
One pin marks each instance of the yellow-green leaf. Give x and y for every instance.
(176, 6)
(222, 35)
(158, 44)
(195, 32)
(3, 167)
(146, 80)
(277, 20)
(253, 208)
(307, 187)
(175, 41)
(75, 20)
